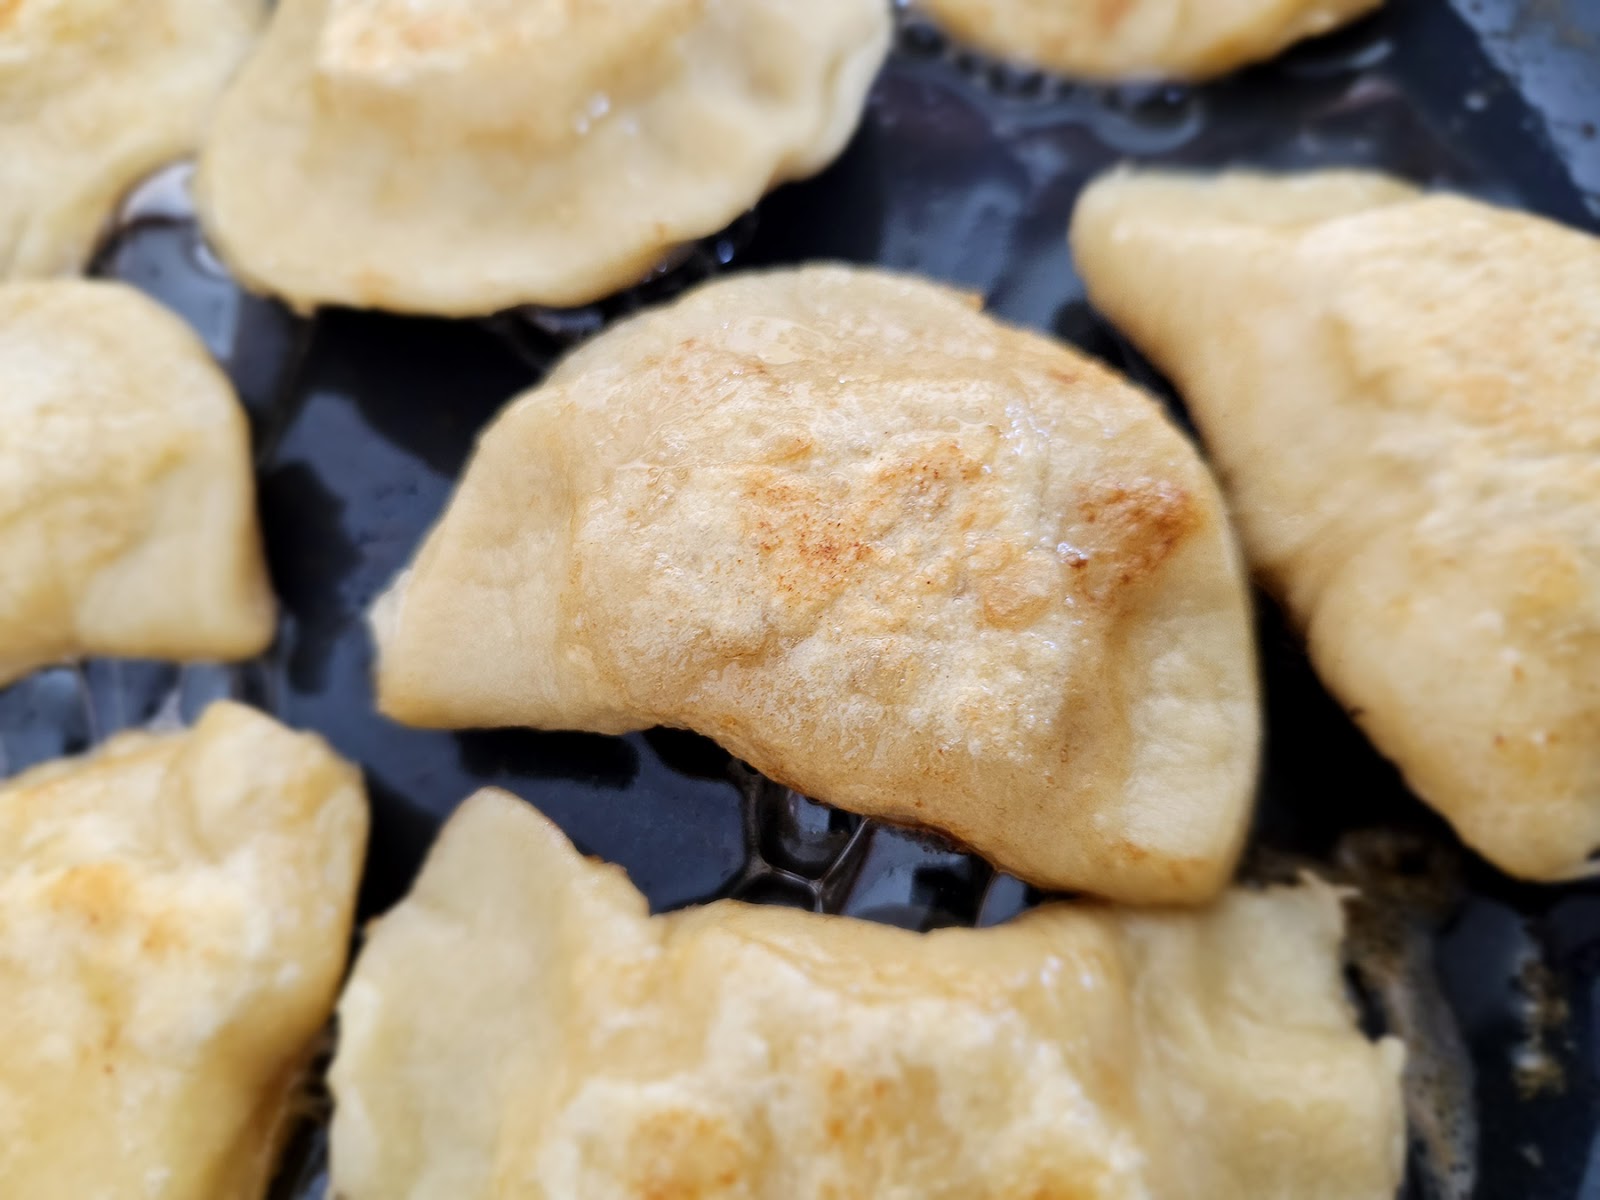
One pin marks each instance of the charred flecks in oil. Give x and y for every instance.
(1404, 890)
(1536, 1061)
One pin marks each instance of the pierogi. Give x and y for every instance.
(1402, 394)
(94, 95)
(463, 156)
(1119, 39)
(127, 501)
(175, 916)
(520, 1028)
(893, 553)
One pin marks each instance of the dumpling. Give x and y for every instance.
(1116, 39)
(892, 553)
(95, 94)
(1402, 392)
(462, 156)
(520, 1028)
(175, 913)
(127, 502)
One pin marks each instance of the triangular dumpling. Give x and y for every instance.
(1116, 39)
(175, 915)
(94, 95)
(1402, 393)
(902, 557)
(520, 1028)
(462, 156)
(127, 501)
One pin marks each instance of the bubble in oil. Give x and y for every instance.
(1147, 119)
(1015, 82)
(800, 835)
(539, 332)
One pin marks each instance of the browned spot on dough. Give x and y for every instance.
(1112, 13)
(1180, 869)
(162, 937)
(680, 1154)
(812, 534)
(1133, 529)
(97, 893)
(428, 32)
(374, 287)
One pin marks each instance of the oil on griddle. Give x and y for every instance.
(966, 170)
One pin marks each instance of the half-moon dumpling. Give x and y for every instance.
(94, 95)
(127, 503)
(1402, 392)
(175, 913)
(462, 156)
(1118, 39)
(892, 553)
(520, 1028)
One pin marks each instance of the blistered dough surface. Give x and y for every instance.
(175, 913)
(519, 1028)
(127, 503)
(1402, 392)
(94, 95)
(460, 156)
(1115, 39)
(890, 552)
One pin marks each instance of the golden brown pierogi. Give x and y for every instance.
(127, 501)
(891, 552)
(175, 916)
(462, 156)
(520, 1028)
(1402, 394)
(1118, 39)
(94, 95)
